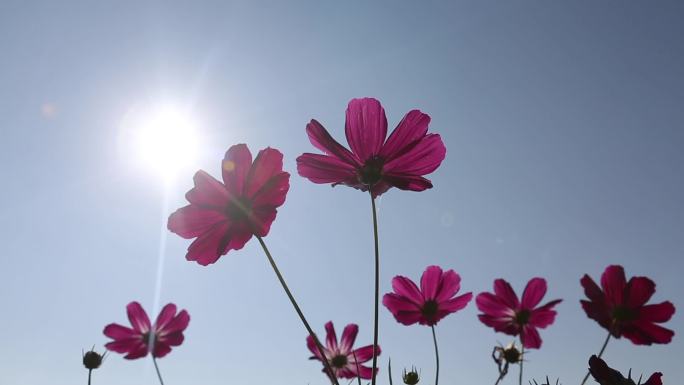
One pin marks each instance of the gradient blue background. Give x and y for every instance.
(562, 122)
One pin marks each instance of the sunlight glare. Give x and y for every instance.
(167, 140)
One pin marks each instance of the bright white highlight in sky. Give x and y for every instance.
(166, 140)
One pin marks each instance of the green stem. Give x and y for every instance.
(90, 371)
(434, 339)
(333, 378)
(377, 287)
(158, 373)
(603, 349)
(522, 359)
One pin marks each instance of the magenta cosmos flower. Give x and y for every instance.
(621, 307)
(142, 338)
(605, 375)
(505, 313)
(429, 304)
(343, 359)
(373, 162)
(224, 216)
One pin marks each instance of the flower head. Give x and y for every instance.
(343, 359)
(142, 338)
(505, 313)
(429, 304)
(92, 359)
(605, 375)
(224, 216)
(620, 307)
(373, 162)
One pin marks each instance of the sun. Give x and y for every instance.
(164, 139)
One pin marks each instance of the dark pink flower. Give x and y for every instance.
(505, 313)
(429, 304)
(343, 359)
(621, 307)
(605, 375)
(224, 216)
(400, 161)
(142, 338)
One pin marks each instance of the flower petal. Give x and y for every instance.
(647, 333)
(173, 339)
(613, 283)
(138, 317)
(235, 167)
(500, 324)
(430, 282)
(208, 192)
(406, 288)
(457, 303)
(493, 305)
(208, 247)
(348, 338)
(451, 284)
(267, 164)
(591, 289)
(119, 332)
(365, 353)
(530, 337)
(639, 291)
(165, 316)
(408, 132)
(193, 220)
(325, 169)
(178, 323)
(425, 157)
(505, 292)
(661, 312)
(322, 140)
(273, 192)
(407, 182)
(534, 292)
(403, 309)
(365, 127)
(655, 379)
(330, 336)
(160, 349)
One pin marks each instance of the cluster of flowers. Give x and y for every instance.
(224, 216)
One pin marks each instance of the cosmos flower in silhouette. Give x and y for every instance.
(505, 313)
(373, 162)
(343, 359)
(620, 307)
(605, 375)
(224, 216)
(142, 338)
(431, 302)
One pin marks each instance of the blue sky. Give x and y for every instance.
(563, 128)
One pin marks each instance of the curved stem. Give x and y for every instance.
(522, 359)
(299, 312)
(90, 372)
(377, 287)
(603, 349)
(158, 373)
(434, 339)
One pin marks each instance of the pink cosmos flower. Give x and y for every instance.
(224, 216)
(505, 313)
(400, 161)
(605, 375)
(342, 358)
(142, 338)
(621, 307)
(429, 304)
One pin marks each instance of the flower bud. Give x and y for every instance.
(92, 359)
(411, 378)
